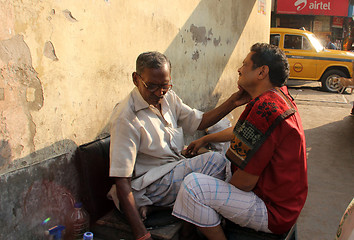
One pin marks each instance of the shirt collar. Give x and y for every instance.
(140, 103)
(138, 100)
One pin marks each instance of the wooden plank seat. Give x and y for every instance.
(162, 225)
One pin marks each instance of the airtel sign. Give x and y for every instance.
(313, 7)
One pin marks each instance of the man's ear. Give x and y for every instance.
(134, 76)
(264, 71)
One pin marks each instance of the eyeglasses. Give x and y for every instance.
(154, 87)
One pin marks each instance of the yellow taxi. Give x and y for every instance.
(309, 60)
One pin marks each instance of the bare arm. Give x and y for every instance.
(127, 203)
(213, 116)
(243, 180)
(222, 136)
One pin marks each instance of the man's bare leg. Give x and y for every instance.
(189, 232)
(213, 232)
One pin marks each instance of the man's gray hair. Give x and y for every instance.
(153, 60)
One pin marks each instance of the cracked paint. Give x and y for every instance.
(69, 16)
(217, 41)
(198, 34)
(49, 51)
(22, 94)
(195, 55)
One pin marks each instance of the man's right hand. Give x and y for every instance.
(241, 97)
(128, 205)
(237, 99)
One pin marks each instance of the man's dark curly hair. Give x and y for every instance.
(274, 58)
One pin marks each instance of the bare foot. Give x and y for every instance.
(145, 211)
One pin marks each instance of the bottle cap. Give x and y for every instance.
(88, 235)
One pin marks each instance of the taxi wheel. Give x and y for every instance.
(328, 80)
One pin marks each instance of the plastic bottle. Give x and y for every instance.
(88, 236)
(80, 221)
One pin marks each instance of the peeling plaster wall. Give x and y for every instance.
(65, 64)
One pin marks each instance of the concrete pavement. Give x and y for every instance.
(329, 130)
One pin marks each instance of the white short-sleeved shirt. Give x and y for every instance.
(146, 145)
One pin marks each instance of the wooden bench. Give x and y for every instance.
(107, 223)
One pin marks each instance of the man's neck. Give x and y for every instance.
(260, 90)
(158, 107)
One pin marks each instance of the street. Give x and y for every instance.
(329, 130)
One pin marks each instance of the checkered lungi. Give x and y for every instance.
(163, 192)
(203, 199)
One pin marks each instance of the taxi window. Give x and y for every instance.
(274, 39)
(296, 42)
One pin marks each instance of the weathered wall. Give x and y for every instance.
(65, 64)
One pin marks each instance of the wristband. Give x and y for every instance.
(146, 236)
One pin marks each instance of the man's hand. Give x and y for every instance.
(193, 147)
(211, 117)
(196, 147)
(241, 97)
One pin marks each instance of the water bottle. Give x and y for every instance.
(88, 236)
(80, 221)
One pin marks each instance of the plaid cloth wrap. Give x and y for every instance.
(256, 123)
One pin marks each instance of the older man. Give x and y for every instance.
(268, 187)
(147, 139)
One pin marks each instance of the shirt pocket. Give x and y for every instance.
(176, 138)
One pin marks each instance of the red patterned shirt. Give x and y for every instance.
(281, 166)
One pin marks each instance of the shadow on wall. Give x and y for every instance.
(204, 45)
(202, 49)
(330, 164)
(35, 193)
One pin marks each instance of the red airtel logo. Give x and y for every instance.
(300, 4)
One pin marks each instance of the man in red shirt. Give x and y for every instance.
(268, 187)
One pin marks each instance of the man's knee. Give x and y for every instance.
(196, 183)
(217, 158)
(211, 163)
(190, 179)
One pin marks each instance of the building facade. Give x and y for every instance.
(322, 17)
